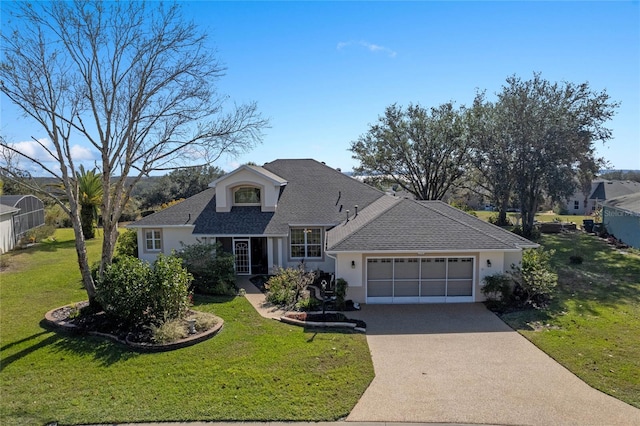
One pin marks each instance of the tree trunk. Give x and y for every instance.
(502, 211)
(83, 259)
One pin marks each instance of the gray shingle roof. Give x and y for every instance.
(410, 225)
(630, 203)
(314, 195)
(608, 189)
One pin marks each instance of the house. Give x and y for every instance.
(7, 232)
(621, 218)
(302, 212)
(18, 215)
(601, 191)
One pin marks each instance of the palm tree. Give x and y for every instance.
(90, 197)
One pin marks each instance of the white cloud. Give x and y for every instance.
(375, 48)
(81, 153)
(38, 151)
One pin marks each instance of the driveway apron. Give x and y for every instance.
(461, 364)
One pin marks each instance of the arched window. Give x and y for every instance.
(246, 195)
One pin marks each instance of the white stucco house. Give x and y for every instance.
(389, 249)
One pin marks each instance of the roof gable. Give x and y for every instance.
(315, 194)
(260, 174)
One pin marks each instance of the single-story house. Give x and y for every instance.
(621, 218)
(18, 215)
(301, 212)
(601, 191)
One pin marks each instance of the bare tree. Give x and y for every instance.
(133, 80)
(424, 151)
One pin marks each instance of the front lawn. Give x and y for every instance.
(255, 369)
(593, 324)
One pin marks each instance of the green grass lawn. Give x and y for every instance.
(255, 369)
(540, 217)
(593, 325)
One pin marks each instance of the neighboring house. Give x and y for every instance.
(7, 233)
(601, 191)
(19, 214)
(293, 212)
(621, 218)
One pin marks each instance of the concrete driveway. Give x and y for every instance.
(462, 364)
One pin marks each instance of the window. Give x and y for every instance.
(576, 205)
(246, 195)
(306, 242)
(153, 240)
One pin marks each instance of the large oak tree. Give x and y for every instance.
(134, 81)
(424, 151)
(540, 137)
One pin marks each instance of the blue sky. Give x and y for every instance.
(323, 71)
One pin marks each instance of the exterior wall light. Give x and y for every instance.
(353, 264)
(489, 263)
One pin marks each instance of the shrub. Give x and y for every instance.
(37, 234)
(497, 289)
(169, 331)
(169, 288)
(341, 292)
(204, 320)
(55, 216)
(535, 282)
(307, 304)
(212, 268)
(123, 290)
(287, 286)
(127, 243)
(138, 294)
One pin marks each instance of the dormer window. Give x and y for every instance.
(246, 195)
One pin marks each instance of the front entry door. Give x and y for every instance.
(242, 252)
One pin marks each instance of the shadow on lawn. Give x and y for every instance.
(104, 351)
(6, 361)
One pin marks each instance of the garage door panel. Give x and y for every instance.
(379, 269)
(380, 288)
(460, 268)
(407, 288)
(460, 288)
(434, 268)
(434, 288)
(406, 269)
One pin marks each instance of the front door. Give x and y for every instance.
(242, 252)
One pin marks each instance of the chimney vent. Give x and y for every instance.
(347, 215)
(356, 214)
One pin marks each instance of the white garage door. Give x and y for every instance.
(420, 279)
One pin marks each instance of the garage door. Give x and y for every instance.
(419, 279)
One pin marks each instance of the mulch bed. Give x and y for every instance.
(75, 318)
(326, 317)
